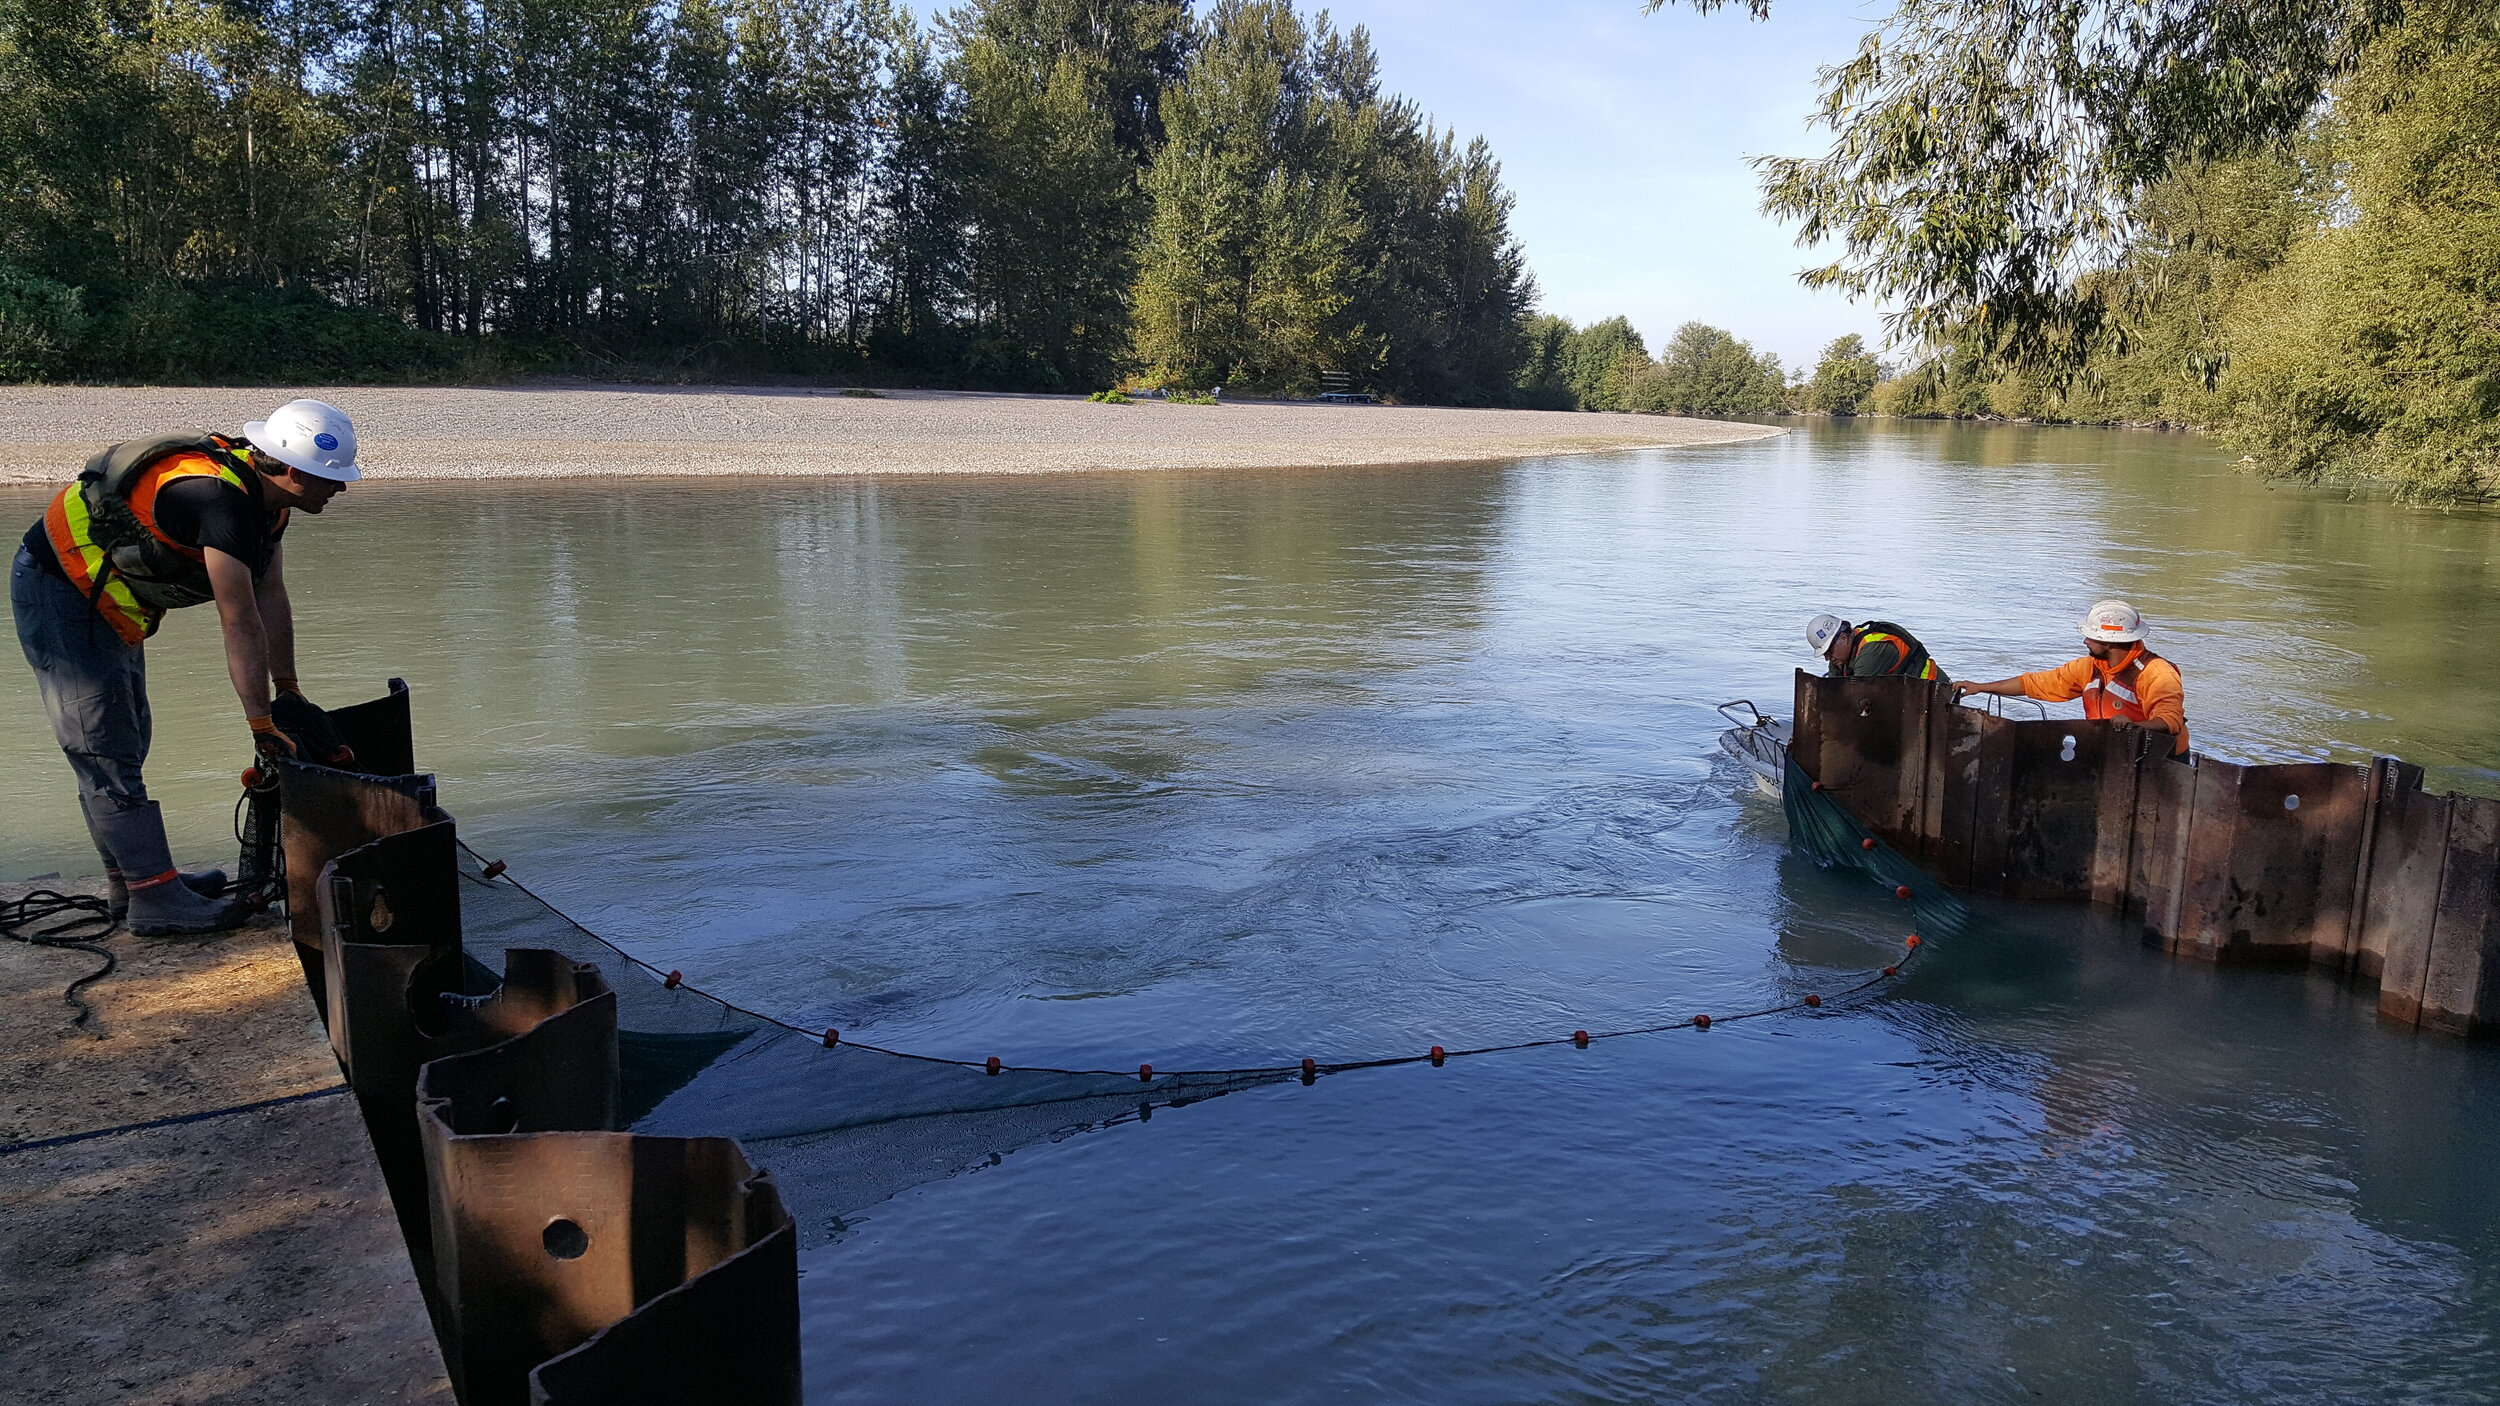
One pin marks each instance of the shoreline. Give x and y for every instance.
(597, 431)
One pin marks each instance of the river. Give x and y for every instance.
(1227, 766)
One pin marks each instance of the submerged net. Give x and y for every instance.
(845, 1125)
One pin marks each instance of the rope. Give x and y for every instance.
(490, 872)
(18, 917)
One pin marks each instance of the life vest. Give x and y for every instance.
(1913, 663)
(103, 528)
(2112, 690)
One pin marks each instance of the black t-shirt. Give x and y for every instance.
(197, 512)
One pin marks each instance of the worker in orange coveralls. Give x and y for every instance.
(2119, 678)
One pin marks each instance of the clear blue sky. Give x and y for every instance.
(1626, 138)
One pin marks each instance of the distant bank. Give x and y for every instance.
(559, 431)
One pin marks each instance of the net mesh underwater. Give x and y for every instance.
(844, 1125)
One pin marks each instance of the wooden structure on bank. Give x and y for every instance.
(2353, 868)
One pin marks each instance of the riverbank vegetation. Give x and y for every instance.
(2282, 223)
(1047, 194)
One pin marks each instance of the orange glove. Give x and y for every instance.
(268, 741)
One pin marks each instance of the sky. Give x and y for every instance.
(1626, 138)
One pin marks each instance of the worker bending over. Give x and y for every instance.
(1877, 649)
(151, 526)
(2118, 678)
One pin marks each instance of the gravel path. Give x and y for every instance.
(553, 430)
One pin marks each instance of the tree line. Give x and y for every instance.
(1048, 194)
(1702, 370)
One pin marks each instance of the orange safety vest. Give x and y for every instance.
(1913, 653)
(2111, 691)
(102, 527)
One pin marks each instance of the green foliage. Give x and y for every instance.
(1844, 379)
(1986, 158)
(1706, 371)
(1543, 380)
(1188, 398)
(2333, 302)
(41, 326)
(1110, 398)
(690, 187)
(1304, 224)
(1598, 359)
(2374, 347)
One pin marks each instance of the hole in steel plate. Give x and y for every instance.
(565, 1240)
(2291, 802)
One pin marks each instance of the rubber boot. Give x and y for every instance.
(160, 904)
(207, 883)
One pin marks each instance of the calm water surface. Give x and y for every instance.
(1233, 767)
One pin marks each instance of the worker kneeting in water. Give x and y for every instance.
(1877, 649)
(2118, 678)
(148, 527)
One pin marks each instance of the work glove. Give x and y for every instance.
(269, 742)
(315, 737)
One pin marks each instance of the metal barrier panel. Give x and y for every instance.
(2053, 806)
(381, 733)
(2408, 855)
(2461, 988)
(1865, 740)
(2270, 861)
(389, 913)
(728, 1334)
(547, 1232)
(326, 812)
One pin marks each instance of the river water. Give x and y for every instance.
(1232, 767)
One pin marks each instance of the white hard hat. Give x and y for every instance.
(311, 435)
(2114, 622)
(1821, 631)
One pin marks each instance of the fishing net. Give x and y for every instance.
(1819, 827)
(844, 1124)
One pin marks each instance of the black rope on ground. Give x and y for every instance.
(18, 919)
(496, 871)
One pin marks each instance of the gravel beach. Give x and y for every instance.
(564, 430)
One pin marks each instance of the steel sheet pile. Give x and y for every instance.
(2353, 868)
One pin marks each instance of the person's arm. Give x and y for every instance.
(2163, 699)
(2056, 685)
(277, 623)
(247, 645)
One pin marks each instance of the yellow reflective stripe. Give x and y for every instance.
(120, 608)
(1925, 671)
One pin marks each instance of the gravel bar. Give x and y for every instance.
(547, 430)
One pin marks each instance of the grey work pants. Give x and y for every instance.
(94, 687)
